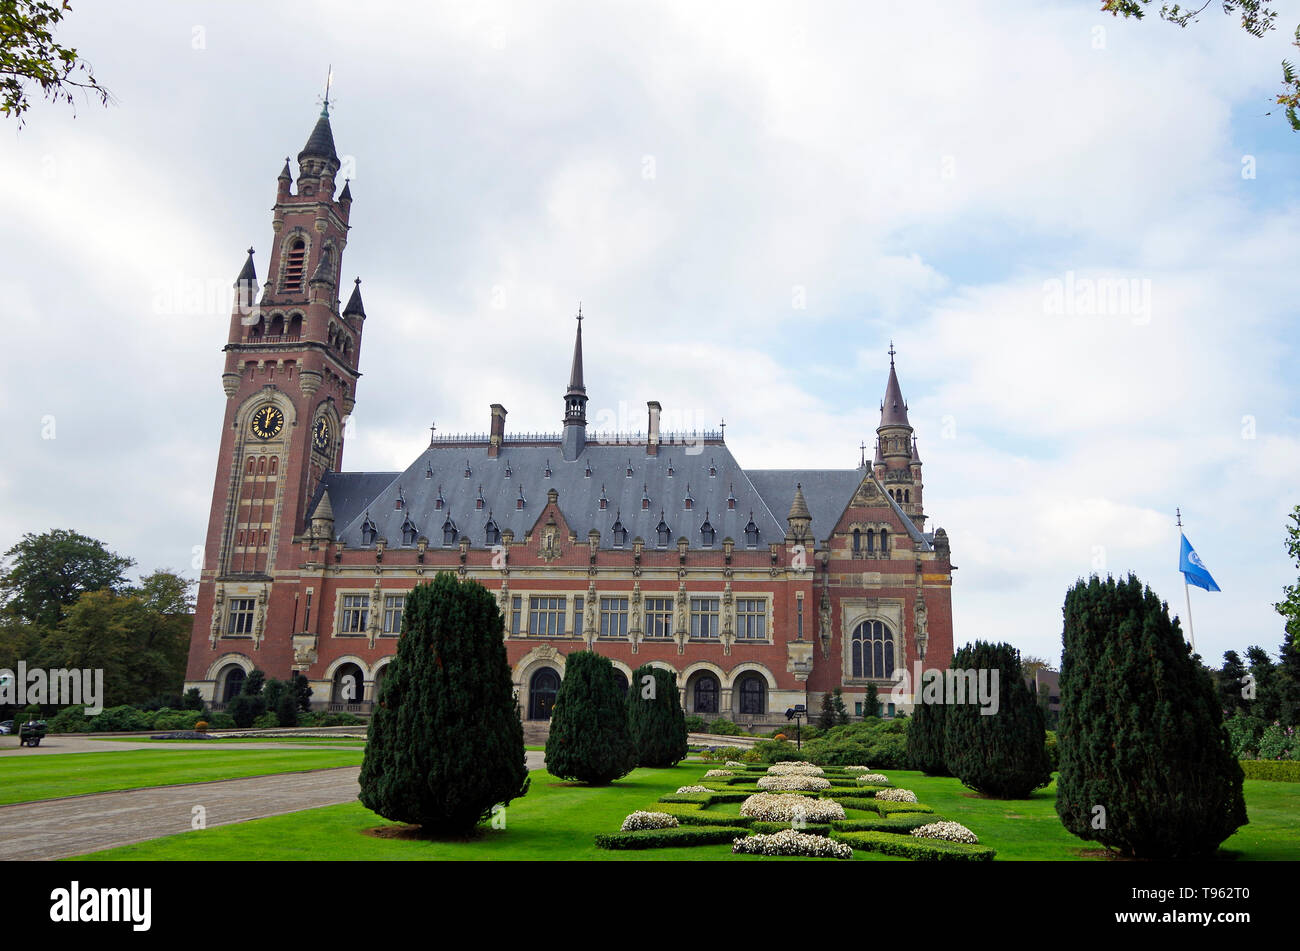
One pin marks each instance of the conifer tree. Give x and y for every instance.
(1002, 753)
(446, 744)
(1146, 766)
(925, 736)
(655, 720)
(589, 740)
(827, 719)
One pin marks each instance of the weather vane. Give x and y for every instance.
(329, 82)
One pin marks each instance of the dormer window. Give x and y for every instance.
(508, 470)
(448, 533)
(548, 468)
(629, 468)
(664, 532)
(491, 531)
(731, 497)
(751, 533)
(587, 474)
(468, 470)
(400, 501)
(645, 497)
(519, 502)
(620, 533)
(604, 502)
(670, 467)
(713, 470)
(368, 532)
(437, 503)
(707, 534)
(409, 533)
(478, 503)
(689, 502)
(428, 471)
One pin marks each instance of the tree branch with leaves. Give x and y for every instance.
(29, 55)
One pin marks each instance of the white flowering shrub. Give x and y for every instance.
(857, 769)
(795, 769)
(776, 807)
(718, 773)
(692, 789)
(734, 764)
(948, 831)
(649, 820)
(896, 795)
(790, 842)
(872, 779)
(793, 783)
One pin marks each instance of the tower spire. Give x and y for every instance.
(575, 402)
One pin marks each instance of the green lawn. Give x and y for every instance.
(558, 821)
(304, 740)
(30, 778)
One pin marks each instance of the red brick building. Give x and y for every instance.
(759, 589)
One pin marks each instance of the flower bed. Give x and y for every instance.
(733, 764)
(668, 838)
(857, 769)
(873, 779)
(790, 842)
(717, 773)
(947, 831)
(793, 783)
(896, 795)
(775, 807)
(682, 790)
(926, 850)
(648, 820)
(795, 769)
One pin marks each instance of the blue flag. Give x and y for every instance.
(1193, 569)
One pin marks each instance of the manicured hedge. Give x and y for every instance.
(768, 828)
(885, 807)
(911, 847)
(701, 818)
(1283, 771)
(904, 822)
(706, 799)
(668, 838)
(854, 802)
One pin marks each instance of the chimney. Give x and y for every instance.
(498, 433)
(652, 428)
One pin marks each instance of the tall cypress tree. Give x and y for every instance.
(655, 720)
(589, 739)
(446, 744)
(925, 742)
(999, 751)
(1145, 763)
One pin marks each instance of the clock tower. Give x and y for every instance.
(290, 381)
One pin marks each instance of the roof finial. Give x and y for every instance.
(329, 81)
(579, 315)
(892, 351)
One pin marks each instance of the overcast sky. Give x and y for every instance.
(750, 200)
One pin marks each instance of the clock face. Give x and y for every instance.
(267, 422)
(320, 435)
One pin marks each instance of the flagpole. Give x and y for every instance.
(1186, 590)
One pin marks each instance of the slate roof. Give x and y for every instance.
(320, 144)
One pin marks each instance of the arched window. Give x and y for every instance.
(349, 684)
(907, 495)
(274, 467)
(753, 694)
(871, 540)
(884, 541)
(409, 533)
(620, 533)
(873, 650)
(751, 533)
(294, 265)
(620, 679)
(707, 534)
(251, 467)
(491, 531)
(706, 694)
(448, 533)
(277, 325)
(857, 541)
(295, 325)
(664, 532)
(261, 466)
(368, 532)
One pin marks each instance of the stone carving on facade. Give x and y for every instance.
(634, 631)
(218, 609)
(259, 628)
(683, 629)
(728, 620)
(824, 623)
(376, 613)
(922, 626)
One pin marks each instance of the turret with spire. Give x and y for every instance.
(898, 463)
(575, 403)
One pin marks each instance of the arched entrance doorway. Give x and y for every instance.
(349, 682)
(752, 699)
(232, 682)
(542, 688)
(704, 693)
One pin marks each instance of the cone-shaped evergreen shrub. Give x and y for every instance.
(445, 743)
(589, 739)
(1141, 733)
(1000, 753)
(925, 742)
(655, 720)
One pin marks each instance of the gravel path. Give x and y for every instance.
(58, 828)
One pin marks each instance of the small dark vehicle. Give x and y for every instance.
(31, 733)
